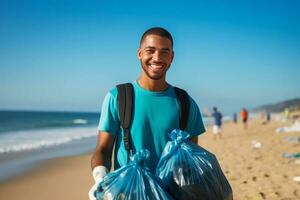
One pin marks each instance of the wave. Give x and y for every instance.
(61, 123)
(30, 140)
(80, 121)
(35, 124)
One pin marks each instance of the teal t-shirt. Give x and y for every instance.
(155, 115)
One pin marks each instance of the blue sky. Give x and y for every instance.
(66, 55)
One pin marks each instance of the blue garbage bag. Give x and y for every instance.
(133, 181)
(190, 172)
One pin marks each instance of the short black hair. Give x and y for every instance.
(157, 31)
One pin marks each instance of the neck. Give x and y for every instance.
(153, 85)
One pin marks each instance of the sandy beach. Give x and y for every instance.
(254, 173)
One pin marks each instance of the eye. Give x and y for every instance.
(165, 52)
(149, 51)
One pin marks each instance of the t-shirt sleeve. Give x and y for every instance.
(109, 119)
(195, 124)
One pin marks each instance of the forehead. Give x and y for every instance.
(156, 41)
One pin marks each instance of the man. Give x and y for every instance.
(155, 110)
(234, 118)
(244, 116)
(286, 114)
(217, 116)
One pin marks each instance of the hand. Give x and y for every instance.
(92, 192)
(98, 173)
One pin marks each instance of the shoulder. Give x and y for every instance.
(192, 101)
(113, 92)
(111, 97)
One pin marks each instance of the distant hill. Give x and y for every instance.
(292, 104)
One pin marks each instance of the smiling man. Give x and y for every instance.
(155, 113)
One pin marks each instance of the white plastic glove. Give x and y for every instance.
(98, 173)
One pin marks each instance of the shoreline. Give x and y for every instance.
(15, 164)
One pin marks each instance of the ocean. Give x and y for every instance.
(29, 137)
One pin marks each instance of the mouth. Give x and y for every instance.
(157, 67)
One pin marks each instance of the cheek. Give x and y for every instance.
(169, 59)
(145, 58)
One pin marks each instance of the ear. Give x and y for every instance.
(172, 56)
(139, 53)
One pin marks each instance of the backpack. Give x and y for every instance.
(125, 104)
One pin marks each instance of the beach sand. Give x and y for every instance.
(254, 174)
(257, 173)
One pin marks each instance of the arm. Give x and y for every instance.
(101, 160)
(206, 111)
(103, 152)
(194, 140)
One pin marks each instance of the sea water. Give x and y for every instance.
(27, 137)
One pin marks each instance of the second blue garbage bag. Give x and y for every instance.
(191, 172)
(133, 181)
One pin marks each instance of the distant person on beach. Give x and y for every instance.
(262, 117)
(217, 127)
(244, 117)
(234, 118)
(286, 114)
(156, 111)
(268, 117)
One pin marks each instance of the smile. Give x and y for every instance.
(156, 66)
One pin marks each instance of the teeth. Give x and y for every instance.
(156, 66)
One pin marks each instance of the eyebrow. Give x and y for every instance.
(151, 47)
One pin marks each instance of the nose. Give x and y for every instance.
(157, 56)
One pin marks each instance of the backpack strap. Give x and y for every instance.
(125, 105)
(184, 107)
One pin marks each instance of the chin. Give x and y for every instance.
(156, 77)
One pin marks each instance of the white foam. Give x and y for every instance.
(79, 121)
(28, 140)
